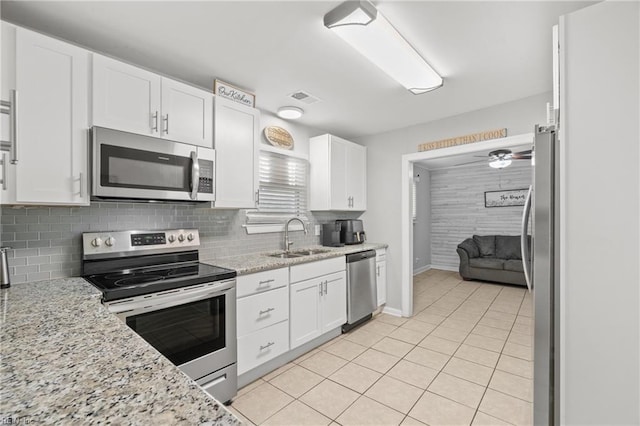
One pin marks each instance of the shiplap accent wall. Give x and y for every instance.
(458, 211)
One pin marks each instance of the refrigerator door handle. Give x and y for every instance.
(524, 246)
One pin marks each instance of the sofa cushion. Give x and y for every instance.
(470, 247)
(486, 245)
(513, 265)
(508, 247)
(486, 263)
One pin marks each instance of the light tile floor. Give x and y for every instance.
(464, 358)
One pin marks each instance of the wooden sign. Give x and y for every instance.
(513, 197)
(226, 90)
(462, 140)
(277, 136)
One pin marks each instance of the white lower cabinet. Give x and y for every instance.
(262, 313)
(263, 345)
(305, 311)
(262, 310)
(381, 276)
(318, 303)
(274, 316)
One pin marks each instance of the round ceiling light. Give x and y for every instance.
(290, 112)
(500, 163)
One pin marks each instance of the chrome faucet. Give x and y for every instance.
(287, 243)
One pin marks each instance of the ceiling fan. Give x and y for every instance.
(501, 158)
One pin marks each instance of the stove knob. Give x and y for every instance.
(190, 237)
(110, 241)
(97, 242)
(172, 238)
(181, 237)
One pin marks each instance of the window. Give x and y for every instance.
(282, 190)
(414, 198)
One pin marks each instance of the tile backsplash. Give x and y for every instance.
(47, 241)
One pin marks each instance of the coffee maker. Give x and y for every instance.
(331, 235)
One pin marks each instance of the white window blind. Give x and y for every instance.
(282, 190)
(414, 200)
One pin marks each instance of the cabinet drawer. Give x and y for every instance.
(262, 310)
(316, 269)
(261, 346)
(261, 281)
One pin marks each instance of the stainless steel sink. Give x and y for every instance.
(297, 253)
(285, 255)
(310, 252)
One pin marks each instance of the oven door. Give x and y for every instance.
(194, 327)
(125, 165)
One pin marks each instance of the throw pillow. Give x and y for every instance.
(470, 247)
(508, 247)
(486, 245)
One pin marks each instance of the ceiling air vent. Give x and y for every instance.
(304, 97)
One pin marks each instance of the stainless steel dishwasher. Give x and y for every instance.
(361, 288)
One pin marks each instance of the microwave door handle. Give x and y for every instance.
(195, 175)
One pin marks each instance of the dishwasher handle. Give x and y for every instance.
(356, 257)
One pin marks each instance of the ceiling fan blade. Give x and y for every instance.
(471, 162)
(522, 155)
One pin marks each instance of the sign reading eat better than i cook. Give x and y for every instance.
(462, 140)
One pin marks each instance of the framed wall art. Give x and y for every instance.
(508, 198)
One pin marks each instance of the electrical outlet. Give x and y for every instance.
(317, 230)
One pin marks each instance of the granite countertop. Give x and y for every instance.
(256, 262)
(66, 359)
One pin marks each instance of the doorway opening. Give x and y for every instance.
(416, 174)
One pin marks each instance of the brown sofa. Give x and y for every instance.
(494, 258)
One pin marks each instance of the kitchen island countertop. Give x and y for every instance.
(66, 360)
(256, 262)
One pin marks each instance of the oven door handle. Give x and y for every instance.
(195, 175)
(167, 300)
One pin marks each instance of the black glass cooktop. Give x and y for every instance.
(139, 281)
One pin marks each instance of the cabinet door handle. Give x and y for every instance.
(266, 311)
(154, 125)
(325, 287)
(320, 286)
(81, 178)
(10, 108)
(267, 346)
(3, 163)
(378, 270)
(166, 124)
(257, 197)
(266, 282)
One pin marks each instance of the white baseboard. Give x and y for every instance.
(421, 269)
(445, 268)
(392, 311)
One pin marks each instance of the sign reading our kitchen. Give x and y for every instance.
(462, 140)
(226, 90)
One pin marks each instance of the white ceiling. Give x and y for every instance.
(488, 52)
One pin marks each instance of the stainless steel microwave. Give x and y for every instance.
(135, 167)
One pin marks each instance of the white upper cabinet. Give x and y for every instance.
(125, 97)
(51, 79)
(236, 141)
(187, 113)
(135, 100)
(338, 174)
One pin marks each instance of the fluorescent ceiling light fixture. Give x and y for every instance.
(500, 163)
(361, 25)
(290, 112)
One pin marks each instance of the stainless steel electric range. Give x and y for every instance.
(153, 281)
